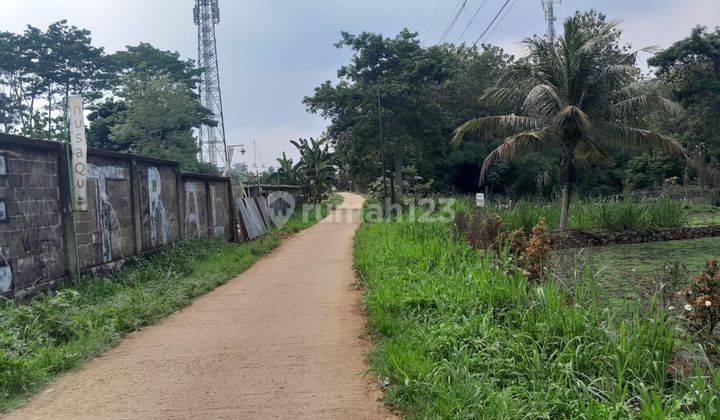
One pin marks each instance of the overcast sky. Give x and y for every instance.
(274, 52)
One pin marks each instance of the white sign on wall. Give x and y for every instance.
(480, 200)
(78, 148)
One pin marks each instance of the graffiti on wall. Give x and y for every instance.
(108, 223)
(217, 230)
(6, 276)
(158, 218)
(192, 212)
(38, 239)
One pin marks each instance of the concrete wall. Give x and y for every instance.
(135, 205)
(31, 226)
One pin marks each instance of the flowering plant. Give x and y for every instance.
(702, 298)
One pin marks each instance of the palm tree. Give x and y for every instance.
(575, 98)
(315, 168)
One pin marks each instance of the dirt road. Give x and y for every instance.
(284, 339)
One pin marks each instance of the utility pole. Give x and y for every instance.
(549, 8)
(257, 172)
(211, 140)
(230, 152)
(382, 146)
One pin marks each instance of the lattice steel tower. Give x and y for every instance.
(549, 7)
(211, 140)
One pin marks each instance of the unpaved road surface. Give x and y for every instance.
(285, 339)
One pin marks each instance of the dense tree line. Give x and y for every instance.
(142, 98)
(575, 98)
(421, 95)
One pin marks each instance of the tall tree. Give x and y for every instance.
(39, 69)
(72, 65)
(573, 98)
(159, 120)
(387, 80)
(144, 58)
(690, 69)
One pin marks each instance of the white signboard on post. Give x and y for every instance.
(78, 148)
(480, 200)
(230, 150)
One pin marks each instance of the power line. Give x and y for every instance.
(477, 12)
(437, 9)
(492, 22)
(456, 14)
(453, 21)
(501, 19)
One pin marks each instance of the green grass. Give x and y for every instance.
(627, 271)
(60, 331)
(703, 214)
(458, 337)
(614, 215)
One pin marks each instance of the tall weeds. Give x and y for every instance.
(459, 337)
(614, 215)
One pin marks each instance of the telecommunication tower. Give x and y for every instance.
(211, 140)
(549, 8)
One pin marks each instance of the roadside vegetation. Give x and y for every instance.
(461, 333)
(589, 214)
(60, 330)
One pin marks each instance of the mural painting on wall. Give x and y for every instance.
(192, 213)
(217, 230)
(107, 219)
(6, 276)
(158, 218)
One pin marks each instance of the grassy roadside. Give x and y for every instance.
(58, 332)
(613, 215)
(459, 338)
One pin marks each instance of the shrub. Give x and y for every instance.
(531, 252)
(672, 277)
(702, 299)
(535, 254)
(665, 213)
(481, 230)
